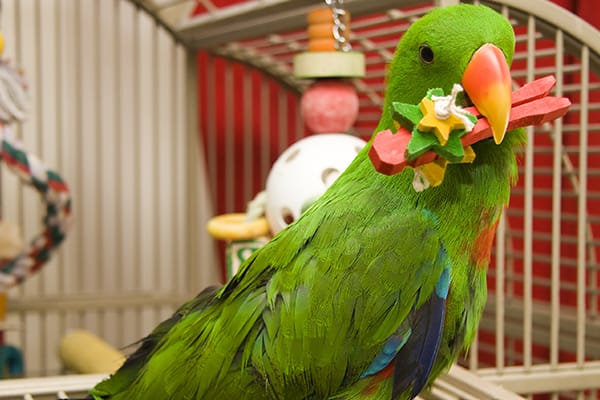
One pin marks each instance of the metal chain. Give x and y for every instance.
(339, 27)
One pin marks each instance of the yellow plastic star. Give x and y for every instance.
(434, 171)
(441, 128)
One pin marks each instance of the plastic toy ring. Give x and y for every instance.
(235, 227)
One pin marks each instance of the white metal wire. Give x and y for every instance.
(582, 211)
(556, 210)
(48, 387)
(528, 211)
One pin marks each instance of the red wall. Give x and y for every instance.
(586, 9)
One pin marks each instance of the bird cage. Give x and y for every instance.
(120, 90)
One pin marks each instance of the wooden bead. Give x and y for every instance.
(317, 45)
(329, 64)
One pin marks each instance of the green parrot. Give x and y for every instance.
(377, 288)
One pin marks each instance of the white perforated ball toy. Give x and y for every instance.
(303, 172)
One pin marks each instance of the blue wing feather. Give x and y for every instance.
(415, 359)
(390, 349)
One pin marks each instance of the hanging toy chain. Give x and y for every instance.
(339, 26)
(328, 51)
(55, 194)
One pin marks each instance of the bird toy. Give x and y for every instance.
(32, 172)
(330, 103)
(54, 192)
(392, 152)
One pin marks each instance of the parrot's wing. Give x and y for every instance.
(358, 302)
(130, 369)
(422, 283)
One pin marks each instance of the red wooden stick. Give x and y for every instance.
(530, 106)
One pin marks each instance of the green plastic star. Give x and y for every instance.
(409, 116)
(421, 142)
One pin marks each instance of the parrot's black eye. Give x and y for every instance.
(426, 54)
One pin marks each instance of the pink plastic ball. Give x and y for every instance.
(330, 106)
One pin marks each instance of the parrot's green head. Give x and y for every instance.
(466, 44)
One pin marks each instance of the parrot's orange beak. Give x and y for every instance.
(488, 84)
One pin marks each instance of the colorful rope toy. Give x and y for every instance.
(54, 192)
